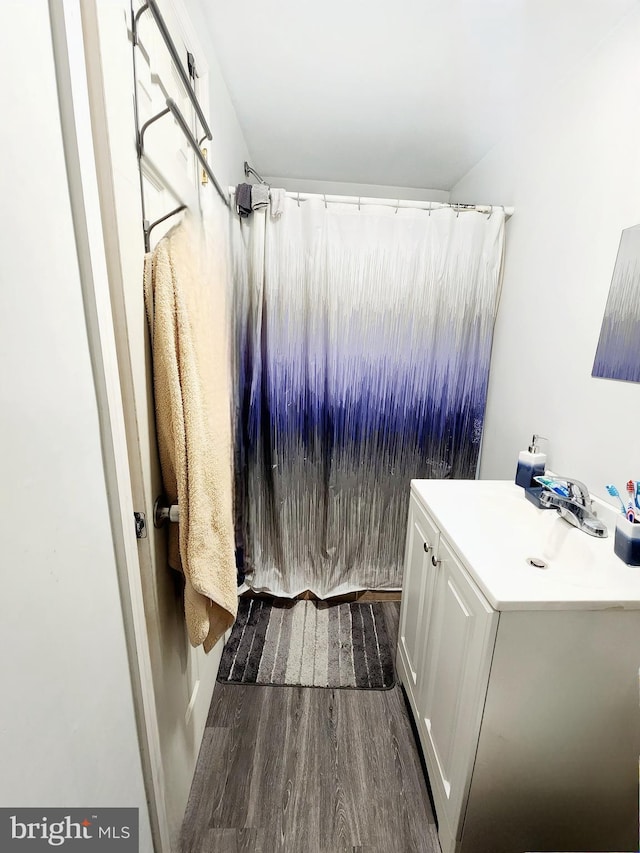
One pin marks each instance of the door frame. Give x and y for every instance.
(75, 37)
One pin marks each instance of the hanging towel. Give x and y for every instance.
(259, 196)
(243, 199)
(277, 203)
(187, 318)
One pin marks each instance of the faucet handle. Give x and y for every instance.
(578, 491)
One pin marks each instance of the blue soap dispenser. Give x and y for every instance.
(531, 463)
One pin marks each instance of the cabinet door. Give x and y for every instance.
(452, 688)
(417, 592)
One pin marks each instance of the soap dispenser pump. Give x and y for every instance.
(531, 463)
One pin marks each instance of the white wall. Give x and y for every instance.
(572, 170)
(67, 726)
(364, 190)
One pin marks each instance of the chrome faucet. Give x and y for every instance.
(577, 509)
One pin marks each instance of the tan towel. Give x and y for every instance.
(185, 300)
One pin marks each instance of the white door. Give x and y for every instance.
(184, 677)
(69, 708)
(417, 594)
(454, 680)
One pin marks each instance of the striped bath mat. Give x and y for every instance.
(308, 643)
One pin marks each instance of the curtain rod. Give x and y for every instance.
(397, 203)
(249, 170)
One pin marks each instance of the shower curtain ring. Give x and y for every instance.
(429, 208)
(358, 202)
(298, 199)
(458, 212)
(325, 200)
(397, 205)
(490, 213)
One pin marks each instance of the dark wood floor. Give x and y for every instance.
(309, 770)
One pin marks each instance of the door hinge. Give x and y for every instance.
(141, 525)
(191, 65)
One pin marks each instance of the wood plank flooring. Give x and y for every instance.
(309, 770)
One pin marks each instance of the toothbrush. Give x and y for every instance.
(554, 485)
(631, 491)
(616, 494)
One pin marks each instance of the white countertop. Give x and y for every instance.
(493, 529)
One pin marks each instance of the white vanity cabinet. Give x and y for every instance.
(526, 706)
(446, 636)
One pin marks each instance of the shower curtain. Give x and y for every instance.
(362, 347)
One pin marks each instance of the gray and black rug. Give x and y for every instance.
(309, 643)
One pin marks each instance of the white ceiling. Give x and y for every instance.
(399, 92)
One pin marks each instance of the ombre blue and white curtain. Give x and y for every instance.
(362, 346)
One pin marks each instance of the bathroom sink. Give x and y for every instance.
(539, 540)
(525, 557)
(550, 543)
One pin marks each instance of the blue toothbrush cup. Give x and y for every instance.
(627, 541)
